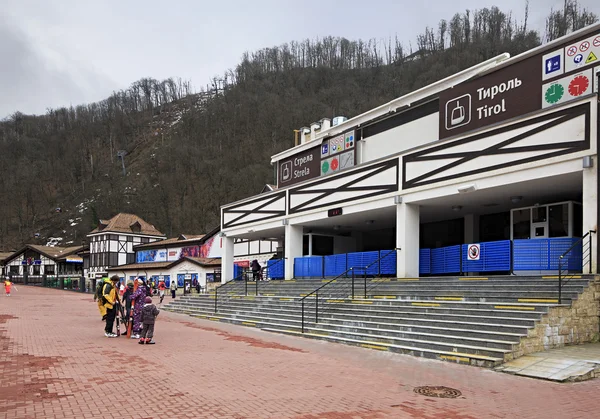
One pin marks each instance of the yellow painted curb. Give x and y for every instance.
(426, 304)
(377, 347)
(536, 300)
(514, 308)
(449, 298)
(454, 358)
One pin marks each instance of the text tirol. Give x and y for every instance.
(302, 166)
(509, 92)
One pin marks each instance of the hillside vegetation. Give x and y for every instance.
(188, 153)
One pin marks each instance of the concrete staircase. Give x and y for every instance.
(472, 320)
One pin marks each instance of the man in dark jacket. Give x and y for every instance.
(255, 270)
(149, 313)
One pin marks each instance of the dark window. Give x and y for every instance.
(322, 245)
(493, 227)
(521, 224)
(49, 269)
(129, 238)
(577, 220)
(442, 233)
(305, 245)
(539, 214)
(145, 240)
(559, 220)
(14, 270)
(130, 258)
(114, 237)
(113, 259)
(36, 269)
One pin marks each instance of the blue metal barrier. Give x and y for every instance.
(275, 268)
(387, 264)
(363, 259)
(445, 260)
(543, 254)
(424, 261)
(308, 267)
(493, 257)
(335, 264)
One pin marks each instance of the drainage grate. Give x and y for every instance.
(442, 392)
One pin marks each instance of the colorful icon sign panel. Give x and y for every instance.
(553, 64)
(582, 53)
(567, 88)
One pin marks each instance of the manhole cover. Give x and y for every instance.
(442, 392)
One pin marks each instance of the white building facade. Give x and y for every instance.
(501, 156)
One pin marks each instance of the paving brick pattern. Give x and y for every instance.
(56, 363)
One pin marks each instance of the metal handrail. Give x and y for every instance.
(561, 258)
(343, 274)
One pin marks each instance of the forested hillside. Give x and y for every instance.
(187, 153)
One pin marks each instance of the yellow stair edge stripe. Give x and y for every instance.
(385, 297)
(564, 277)
(249, 324)
(327, 280)
(361, 302)
(468, 278)
(537, 300)
(215, 318)
(514, 308)
(336, 301)
(268, 295)
(425, 304)
(450, 298)
(455, 358)
(377, 347)
(285, 299)
(407, 279)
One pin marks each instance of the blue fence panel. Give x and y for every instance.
(530, 255)
(362, 259)
(276, 268)
(494, 257)
(308, 267)
(445, 260)
(558, 246)
(424, 261)
(335, 265)
(387, 264)
(237, 271)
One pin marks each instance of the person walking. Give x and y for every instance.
(173, 287)
(127, 295)
(255, 270)
(110, 299)
(138, 298)
(7, 286)
(149, 314)
(161, 290)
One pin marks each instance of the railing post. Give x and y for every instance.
(591, 257)
(246, 284)
(302, 316)
(216, 296)
(317, 307)
(560, 280)
(353, 284)
(365, 278)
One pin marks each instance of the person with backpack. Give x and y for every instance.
(127, 295)
(110, 299)
(255, 270)
(173, 287)
(138, 298)
(98, 297)
(149, 313)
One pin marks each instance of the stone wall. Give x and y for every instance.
(566, 325)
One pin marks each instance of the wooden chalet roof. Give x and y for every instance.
(127, 223)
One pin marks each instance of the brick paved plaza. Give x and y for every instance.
(56, 363)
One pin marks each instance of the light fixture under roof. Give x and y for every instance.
(456, 207)
(515, 199)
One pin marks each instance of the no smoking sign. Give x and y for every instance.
(473, 251)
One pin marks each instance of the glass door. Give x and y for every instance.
(539, 222)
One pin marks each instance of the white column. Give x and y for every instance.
(590, 210)
(293, 248)
(407, 239)
(227, 260)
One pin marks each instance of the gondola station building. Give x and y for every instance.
(492, 170)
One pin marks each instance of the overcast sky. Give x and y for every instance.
(56, 53)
